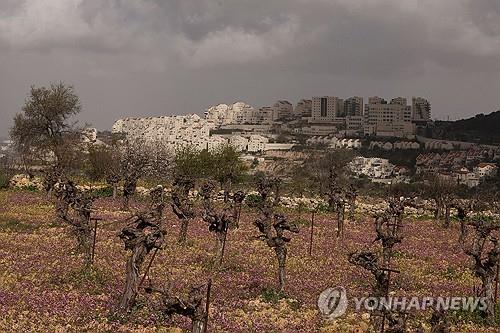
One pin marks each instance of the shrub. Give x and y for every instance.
(272, 295)
(253, 200)
(4, 180)
(103, 192)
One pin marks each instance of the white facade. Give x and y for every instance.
(392, 119)
(486, 170)
(282, 109)
(238, 142)
(172, 131)
(353, 106)
(326, 108)
(257, 143)
(420, 109)
(374, 167)
(303, 108)
(215, 142)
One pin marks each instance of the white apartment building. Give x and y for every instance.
(220, 114)
(326, 109)
(420, 109)
(303, 108)
(282, 109)
(265, 115)
(486, 170)
(371, 167)
(353, 107)
(238, 142)
(215, 142)
(257, 143)
(243, 113)
(173, 131)
(226, 114)
(388, 119)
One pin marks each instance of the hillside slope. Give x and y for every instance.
(480, 128)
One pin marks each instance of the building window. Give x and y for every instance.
(323, 106)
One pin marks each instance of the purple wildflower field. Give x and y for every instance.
(44, 289)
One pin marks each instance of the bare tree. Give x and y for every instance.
(463, 208)
(133, 165)
(238, 198)
(442, 192)
(272, 226)
(337, 199)
(69, 197)
(182, 205)
(193, 305)
(351, 196)
(218, 220)
(141, 235)
(103, 162)
(388, 226)
(484, 249)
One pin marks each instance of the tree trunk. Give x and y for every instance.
(183, 233)
(219, 251)
(487, 292)
(447, 216)
(134, 263)
(463, 231)
(84, 237)
(281, 254)
(125, 202)
(439, 210)
(352, 210)
(115, 190)
(340, 221)
(198, 326)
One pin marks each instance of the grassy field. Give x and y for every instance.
(44, 289)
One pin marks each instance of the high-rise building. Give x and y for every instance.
(303, 108)
(353, 106)
(388, 119)
(420, 109)
(282, 109)
(264, 115)
(326, 108)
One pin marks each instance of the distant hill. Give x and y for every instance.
(481, 128)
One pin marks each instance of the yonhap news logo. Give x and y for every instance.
(333, 303)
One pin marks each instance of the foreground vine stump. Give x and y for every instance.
(194, 305)
(140, 236)
(238, 198)
(273, 226)
(182, 205)
(74, 208)
(337, 200)
(218, 220)
(388, 227)
(484, 249)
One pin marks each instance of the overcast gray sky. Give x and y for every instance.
(145, 57)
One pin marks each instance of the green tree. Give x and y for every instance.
(43, 130)
(227, 168)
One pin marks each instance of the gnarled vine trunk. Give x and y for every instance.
(140, 236)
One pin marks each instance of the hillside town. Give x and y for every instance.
(322, 119)
(376, 132)
(326, 122)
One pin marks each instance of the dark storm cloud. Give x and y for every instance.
(130, 57)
